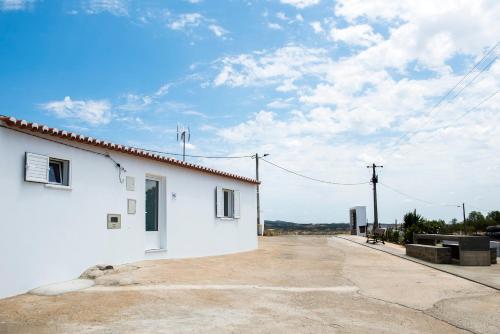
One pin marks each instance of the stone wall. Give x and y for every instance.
(432, 254)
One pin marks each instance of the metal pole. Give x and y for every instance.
(463, 211)
(258, 190)
(184, 146)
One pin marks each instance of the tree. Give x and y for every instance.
(477, 221)
(433, 226)
(413, 223)
(493, 218)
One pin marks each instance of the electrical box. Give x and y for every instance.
(131, 204)
(114, 221)
(130, 183)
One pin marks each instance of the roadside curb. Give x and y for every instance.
(429, 265)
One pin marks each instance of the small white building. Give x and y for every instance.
(357, 219)
(69, 202)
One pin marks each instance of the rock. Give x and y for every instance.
(104, 267)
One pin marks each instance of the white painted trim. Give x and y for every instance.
(158, 250)
(57, 186)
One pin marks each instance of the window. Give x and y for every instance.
(44, 169)
(59, 172)
(227, 203)
(55, 171)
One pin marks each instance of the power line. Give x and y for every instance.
(194, 156)
(476, 106)
(431, 134)
(312, 178)
(444, 97)
(416, 198)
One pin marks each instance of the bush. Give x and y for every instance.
(392, 235)
(414, 223)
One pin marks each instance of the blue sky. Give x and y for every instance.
(324, 87)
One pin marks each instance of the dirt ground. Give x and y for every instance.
(291, 284)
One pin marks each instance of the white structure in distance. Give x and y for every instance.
(357, 219)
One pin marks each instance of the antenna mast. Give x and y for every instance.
(183, 134)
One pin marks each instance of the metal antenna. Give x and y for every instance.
(183, 134)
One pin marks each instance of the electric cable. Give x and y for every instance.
(444, 97)
(312, 178)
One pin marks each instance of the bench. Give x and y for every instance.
(434, 254)
(375, 236)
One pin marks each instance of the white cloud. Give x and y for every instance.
(281, 104)
(186, 20)
(316, 25)
(282, 66)
(300, 3)
(362, 35)
(217, 30)
(114, 7)
(344, 112)
(16, 5)
(89, 111)
(274, 26)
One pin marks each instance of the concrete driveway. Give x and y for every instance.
(292, 284)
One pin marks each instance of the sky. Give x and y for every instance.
(324, 87)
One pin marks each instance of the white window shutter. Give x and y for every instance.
(219, 202)
(37, 168)
(236, 203)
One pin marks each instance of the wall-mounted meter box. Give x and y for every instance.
(114, 221)
(130, 183)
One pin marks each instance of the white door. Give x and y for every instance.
(153, 240)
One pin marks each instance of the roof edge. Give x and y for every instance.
(71, 136)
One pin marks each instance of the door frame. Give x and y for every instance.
(162, 212)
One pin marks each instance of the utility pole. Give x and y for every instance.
(374, 182)
(256, 156)
(463, 211)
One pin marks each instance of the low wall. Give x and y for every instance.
(429, 253)
(496, 246)
(475, 258)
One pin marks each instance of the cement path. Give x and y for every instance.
(292, 284)
(488, 276)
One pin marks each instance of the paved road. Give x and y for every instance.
(292, 284)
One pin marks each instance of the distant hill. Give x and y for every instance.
(284, 227)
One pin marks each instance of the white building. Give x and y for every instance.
(357, 218)
(69, 202)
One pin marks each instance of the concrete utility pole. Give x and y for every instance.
(463, 211)
(374, 182)
(258, 190)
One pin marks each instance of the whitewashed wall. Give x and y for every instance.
(50, 235)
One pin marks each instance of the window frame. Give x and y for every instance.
(65, 166)
(66, 176)
(227, 207)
